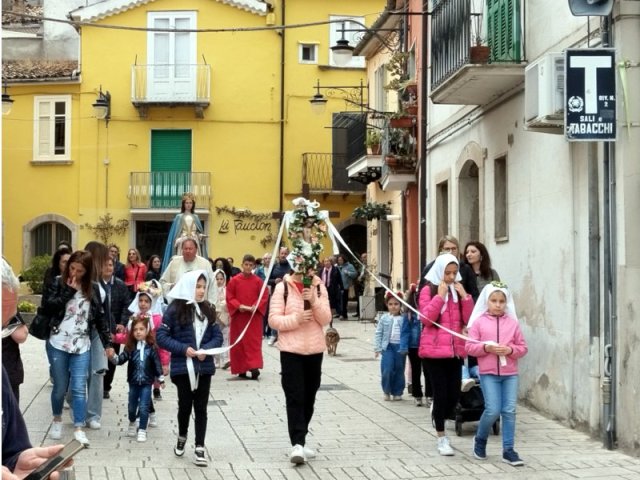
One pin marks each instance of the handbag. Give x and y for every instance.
(40, 326)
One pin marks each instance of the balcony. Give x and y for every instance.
(171, 85)
(326, 173)
(163, 190)
(457, 75)
(400, 158)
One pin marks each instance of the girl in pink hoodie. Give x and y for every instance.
(497, 342)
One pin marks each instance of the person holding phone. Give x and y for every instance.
(19, 458)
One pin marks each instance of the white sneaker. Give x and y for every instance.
(297, 455)
(94, 425)
(81, 437)
(200, 457)
(56, 431)
(308, 453)
(444, 447)
(142, 435)
(132, 430)
(387, 397)
(271, 341)
(397, 398)
(467, 384)
(153, 420)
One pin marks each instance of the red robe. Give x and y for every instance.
(244, 290)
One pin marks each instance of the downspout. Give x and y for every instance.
(610, 286)
(282, 108)
(422, 180)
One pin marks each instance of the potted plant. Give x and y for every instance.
(27, 310)
(478, 52)
(372, 210)
(397, 68)
(373, 141)
(402, 120)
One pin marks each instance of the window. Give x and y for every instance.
(442, 209)
(500, 198)
(171, 57)
(354, 33)
(308, 53)
(52, 128)
(380, 94)
(46, 236)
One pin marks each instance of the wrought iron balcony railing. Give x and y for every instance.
(171, 84)
(456, 28)
(165, 189)
(326, 173)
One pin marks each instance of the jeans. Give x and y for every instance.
(500, 398)
(470, 372)
(192, 399)
(300, 379)
(69, 370)
(99, 367)
(392, 370)
(139, 400)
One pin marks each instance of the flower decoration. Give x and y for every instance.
(307, 228)
(372, 210)
(151, 287)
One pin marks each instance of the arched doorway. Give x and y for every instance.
(354, 235)
(468, 203)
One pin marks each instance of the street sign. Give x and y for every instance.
(590, 94)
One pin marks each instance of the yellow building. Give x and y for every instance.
(204, 96)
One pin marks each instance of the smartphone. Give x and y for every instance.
(57, 462)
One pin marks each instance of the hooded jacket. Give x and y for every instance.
(295, 336)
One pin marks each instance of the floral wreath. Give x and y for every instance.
(307, 228)
(150, 288)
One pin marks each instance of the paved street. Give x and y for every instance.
(355, 433)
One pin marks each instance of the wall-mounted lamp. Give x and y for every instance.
(353, 94)
(343, 51)
(7, 102)
(102, 106)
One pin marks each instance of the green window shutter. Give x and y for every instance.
(170, 167)
(503, 30)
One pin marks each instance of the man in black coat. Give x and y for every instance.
(332, 279)
(116, 306)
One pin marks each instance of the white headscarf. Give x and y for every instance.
(482, 305)
(224, 275)
(185, 289)
(435, 275)
(156, 307)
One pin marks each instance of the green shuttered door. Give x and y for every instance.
(503, 24)
(170, 167)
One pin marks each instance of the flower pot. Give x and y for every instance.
(391, 161)
(411, 109)
(412, 89)
(374, 149)
(402, 122)
(479, 54)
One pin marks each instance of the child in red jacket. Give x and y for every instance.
(497, 342)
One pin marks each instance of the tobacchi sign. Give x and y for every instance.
(590, 94)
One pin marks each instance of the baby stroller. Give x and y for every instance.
(470, 408)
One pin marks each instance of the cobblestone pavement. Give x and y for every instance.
(355, 433)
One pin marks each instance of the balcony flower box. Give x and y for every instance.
(404, 121)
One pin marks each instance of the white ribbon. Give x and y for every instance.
(339, 238)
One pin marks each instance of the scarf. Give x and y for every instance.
(435, 276)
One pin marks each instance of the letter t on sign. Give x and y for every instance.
(590, 65)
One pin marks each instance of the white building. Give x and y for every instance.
(531, 196)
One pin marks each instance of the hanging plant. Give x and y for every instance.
(372, 210)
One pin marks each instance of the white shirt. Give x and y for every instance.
(73, 336)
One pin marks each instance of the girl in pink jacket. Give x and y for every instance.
(301, 343)
(497, 342)
(445, 307)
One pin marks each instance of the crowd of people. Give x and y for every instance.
(457, 326)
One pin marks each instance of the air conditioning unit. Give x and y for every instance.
(544, 93)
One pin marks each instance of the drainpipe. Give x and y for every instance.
(282, 109)
(422, 180)
(610, 284)
(594, 281)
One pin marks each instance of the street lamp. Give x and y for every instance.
(343, 51)
(353, 94)
(102, 106)
(7, 102)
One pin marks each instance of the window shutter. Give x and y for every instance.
(503, 33)
(170, 167)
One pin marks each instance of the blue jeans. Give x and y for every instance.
(392, 370)
(500, 399)
(472, 372)
(69, 370)
(139, 400)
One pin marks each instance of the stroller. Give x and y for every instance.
(470, 408)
